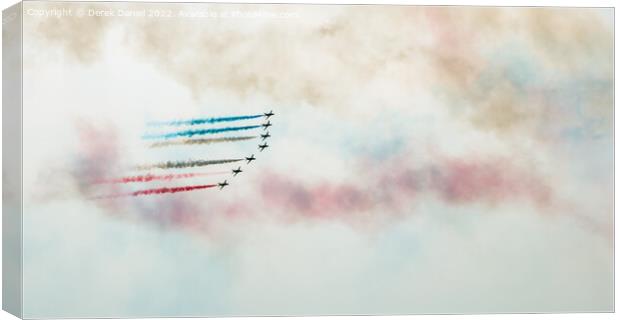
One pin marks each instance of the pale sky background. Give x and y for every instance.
(423, 160)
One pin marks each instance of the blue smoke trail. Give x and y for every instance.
(197, 132)
(193, 122)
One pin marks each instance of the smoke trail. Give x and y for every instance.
(191, 133)
(184, 164)
(167, 177)
(192, 122)
(199, 141)
(157, 191)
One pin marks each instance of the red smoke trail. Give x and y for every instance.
(164, 190)
(171, 190)
(166, 177)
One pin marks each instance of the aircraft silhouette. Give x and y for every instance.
(222, 184)
(265, 136)
(250, 158)
(269, 114)
(266, 125)
(263, 146)
(237, 171)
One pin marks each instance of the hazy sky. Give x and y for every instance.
(421, 160)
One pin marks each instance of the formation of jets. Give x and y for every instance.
(261, 147)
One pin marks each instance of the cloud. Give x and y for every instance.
(503, 69)
(396, 186)
(80, 37)
(422, 159)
